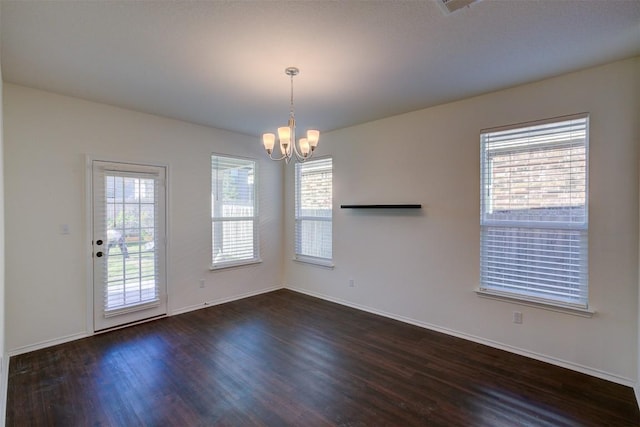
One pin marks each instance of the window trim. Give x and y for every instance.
(557, 305)
(537, 303)
(255, 218)
(302, 258)
(319, 262)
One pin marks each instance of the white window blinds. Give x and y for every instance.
(313, 206)
(534, 225)
(234, 217)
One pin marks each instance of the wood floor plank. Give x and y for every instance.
(287, 359)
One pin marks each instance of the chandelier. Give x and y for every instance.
(302, 151)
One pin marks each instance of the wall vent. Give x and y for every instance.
(450, 6)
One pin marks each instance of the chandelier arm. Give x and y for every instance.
(303, 159)
(278, 159)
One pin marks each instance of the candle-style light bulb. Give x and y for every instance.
(313, 136)
(304, 147)
(268, 139)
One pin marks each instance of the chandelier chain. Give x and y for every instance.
(291, 107)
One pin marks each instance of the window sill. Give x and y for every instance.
(235, 264)
(318, 262)
(530, 302)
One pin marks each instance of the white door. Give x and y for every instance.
(129, 278)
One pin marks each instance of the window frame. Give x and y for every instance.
(580, 305)
(254, 219)
(301, 257)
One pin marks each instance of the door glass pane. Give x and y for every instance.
(131, 273)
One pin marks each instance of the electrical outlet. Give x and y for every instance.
(352, 283)
(517, 317)
(201, 283)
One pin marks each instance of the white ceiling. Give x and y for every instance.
(221, 63)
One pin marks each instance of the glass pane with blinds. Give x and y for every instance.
(540, 263)
(233, 211)
(131, 273)
(313, 208)
(314, 238)
(534, 210)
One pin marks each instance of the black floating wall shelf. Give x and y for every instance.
(395, 206)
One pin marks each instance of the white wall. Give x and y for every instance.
(47, 137)
(423, 267)
(3, 359)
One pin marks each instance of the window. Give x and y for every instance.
(234, 216)
(313, 236)
(533, 218)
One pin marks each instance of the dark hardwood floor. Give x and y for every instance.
(283, 359)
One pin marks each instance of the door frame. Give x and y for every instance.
(89, 159)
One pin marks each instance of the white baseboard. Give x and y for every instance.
(47, 343)
(223, 300)
(73, 337)
(4, 362)
(4, 383)
(527, 353)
